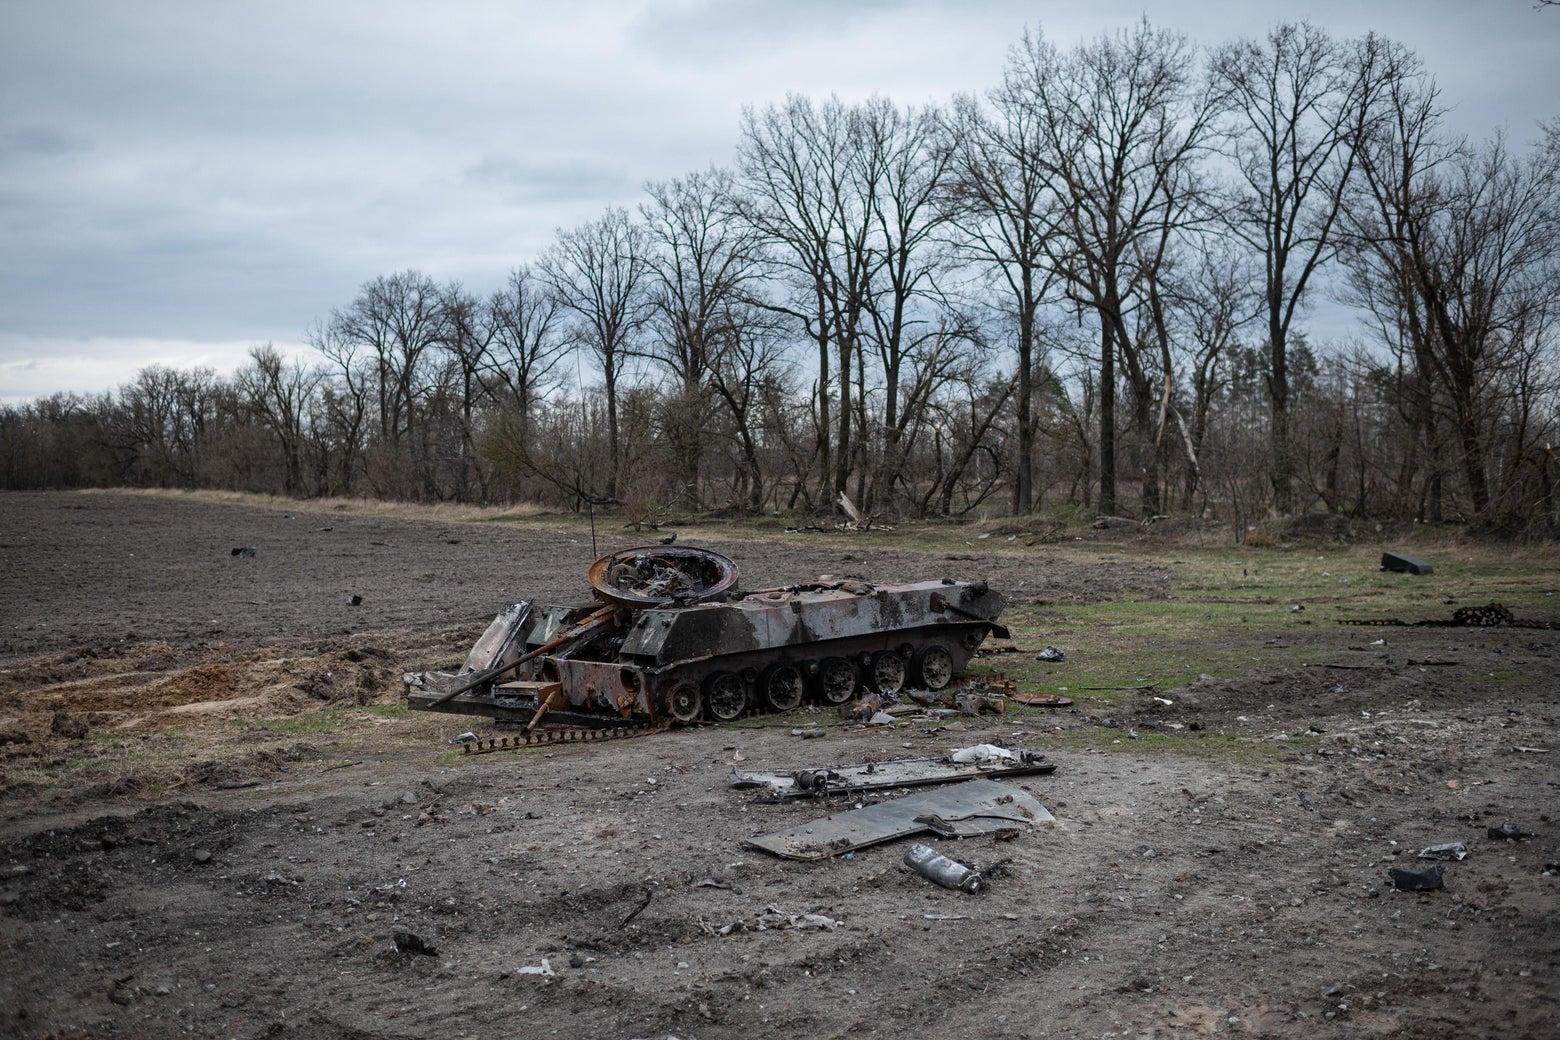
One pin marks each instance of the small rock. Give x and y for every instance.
(202, 855)
(576, 961)
(245, 551)
(354, 600)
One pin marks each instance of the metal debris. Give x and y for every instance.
(960, 811)
(949, 873)
(1451, 850)
(411, 942)
(1427, 880)
(772, 918)
(1403, 563)
(812, 782)
(1508, 832)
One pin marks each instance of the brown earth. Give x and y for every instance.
(215, 820)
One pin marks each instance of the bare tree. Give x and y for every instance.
(466, 343)
(1211, 304)
(282, 394)
(1003, 202)
(703, 260)
(1123, 121)
(1458, 247)
(803, 189)
(395, 321)
(916, 337)
(598, 272)
(1297, 104)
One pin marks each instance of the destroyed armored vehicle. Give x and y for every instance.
(669, 638)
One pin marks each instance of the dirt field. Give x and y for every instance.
(216, 816)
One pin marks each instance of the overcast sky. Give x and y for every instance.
(182, 180)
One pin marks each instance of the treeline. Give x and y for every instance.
(1085, 288)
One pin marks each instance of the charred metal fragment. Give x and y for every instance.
(960, 811)
(783, 785)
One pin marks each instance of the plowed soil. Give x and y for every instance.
(216, 820)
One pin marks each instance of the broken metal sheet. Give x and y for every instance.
(961, 811)
(1404, 563)
(811, 782)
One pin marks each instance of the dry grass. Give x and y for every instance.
(448, 512)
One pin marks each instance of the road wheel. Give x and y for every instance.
(933, 667)
(684, 703)
(836, 680)
(887, 672)
(782, 687)
(725, 696)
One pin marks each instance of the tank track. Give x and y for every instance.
(1489, 616)
(555, 735)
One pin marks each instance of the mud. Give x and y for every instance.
(201, 859)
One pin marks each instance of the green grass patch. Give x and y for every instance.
(318, 722)
(392, 710)
(1232, 612)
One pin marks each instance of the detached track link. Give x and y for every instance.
(1489, 616)
(570, 735)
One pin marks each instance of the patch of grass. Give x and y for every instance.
(448, 512)
(318, 722)
(393, 710)
(1230, 612)
(1505, 677)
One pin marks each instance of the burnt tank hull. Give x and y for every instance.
(643, 652)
